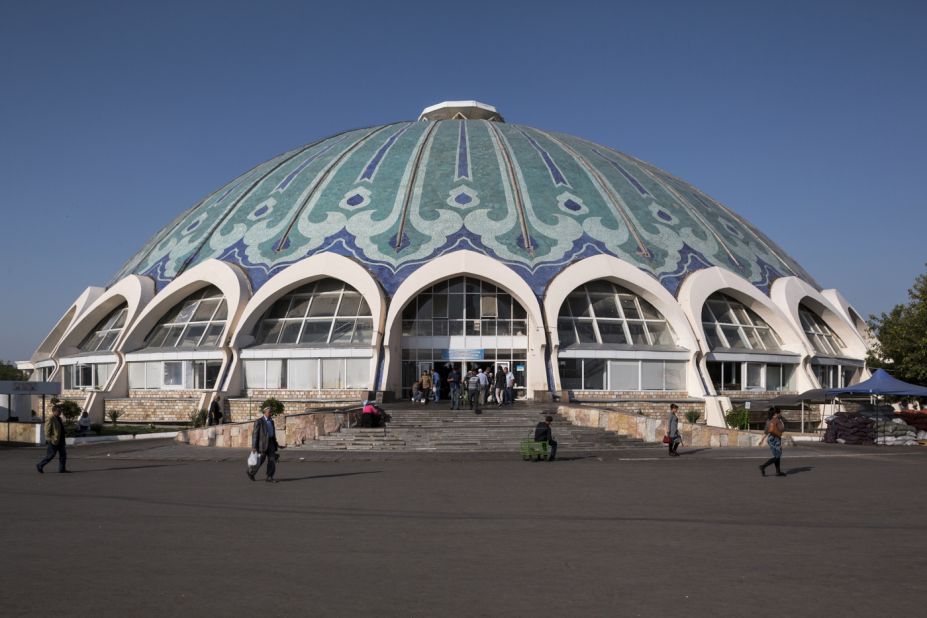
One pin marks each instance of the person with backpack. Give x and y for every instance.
(775, 427)
(473, 390)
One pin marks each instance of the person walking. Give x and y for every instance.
(473, 390)
(509, 386)
(775, 427)
(453, 379)
(672, 431)
(54, 438)
(484, 385)
(543, 433)
(436, 382)
(500, 385)
(215, 411)
(264, 442)
(426, 386)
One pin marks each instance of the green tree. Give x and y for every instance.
(9, 372)
(900, 337)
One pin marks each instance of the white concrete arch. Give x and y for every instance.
(609, 268)
(49, 345)
(701, 284)
(318, 266)
(134, 291)
(789, 293)
(471, 264)
(850, 313)
(230, 279)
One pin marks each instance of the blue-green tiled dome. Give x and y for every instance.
(395, 196)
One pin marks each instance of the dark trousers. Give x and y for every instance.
(474, 398)
(50, 454)
(271, 457)
(674, 445)
(553, 450)
(455, 396)
(772, 461)
(509, 395)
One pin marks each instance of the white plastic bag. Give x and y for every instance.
(253, 459)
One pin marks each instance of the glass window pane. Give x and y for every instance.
(638, 336)
(173, 336)
(424, 307)
(769, 339)
(503, 328)
(471, 285)
(298, 307)
(612, 332)
(363, 331)
(660, 333)
(191, 336)
(722, 311)
(648, 310)
(753, 338)
(585, 332)
(629, 307)
(652, 375)
(270, 332)
(774, 377)
(254, 374)
(439, 305)
(455, 306)
(136, 375)
(472, 327)
(186, 312)
(109, 340)
(565, 332)
(472, 306)
(221, 312)
(323, 306)
(518, 312)
(279, 310)
(205, 310)
(333, 373)
(579, 305)
(488, 306)
(212, 373)
(754, 376)
(489, 328)
(623, 375)
(455, 327)
(519, 328)
(342, 331)
(408, 328)
(712, 337)
(605, 307)
(571, 374)
(409, 311)
(300, 373)
(357, 373)
(156, 339)
(675, 376)
(594, 374)
(456, 285)
(315, 331)
(290, 333)
(273, 374)
(350, 302)
(423, 328)
(153, 374)
(504, 306)
(173, 373)
(732, 334)
(440, 327)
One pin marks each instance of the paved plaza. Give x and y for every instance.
(155, 528)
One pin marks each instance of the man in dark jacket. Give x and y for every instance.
(264, 442)
(54, 437)
(542, 433)
(215, 411)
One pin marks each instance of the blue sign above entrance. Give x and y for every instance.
(461, 354)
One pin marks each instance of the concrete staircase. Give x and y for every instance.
(436, 428)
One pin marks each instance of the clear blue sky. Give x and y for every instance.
(807, 118)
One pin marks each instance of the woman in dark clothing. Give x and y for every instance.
(673, 431)
(773, 436)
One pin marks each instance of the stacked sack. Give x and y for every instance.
(918, 420)
(895, 432)
(849, 428)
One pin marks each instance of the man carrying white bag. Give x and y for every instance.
(263, 446)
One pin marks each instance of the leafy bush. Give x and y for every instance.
(692, 415)
(276, 407)
(97, 428)
(69, 410)
(738, 418)
(114, 415)
(198, 418)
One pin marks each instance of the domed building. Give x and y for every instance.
(347, 266)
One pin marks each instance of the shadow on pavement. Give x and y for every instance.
(325, 476)
(693, 451)
(792, 471)
(118, 468)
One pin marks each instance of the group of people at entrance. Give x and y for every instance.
(477, 388)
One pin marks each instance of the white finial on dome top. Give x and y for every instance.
(461, 110)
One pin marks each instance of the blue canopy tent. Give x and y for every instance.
(881, 383)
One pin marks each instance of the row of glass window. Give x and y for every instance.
(198, 321)
(89, 376)
(440, 356)
(823, 339)
(322, 312)
(167, 375)
(836, 376)
(308, 373)
(605, 313)
(599, 374)
(729, 324)
(104, 335)
(750, 376)
(440, 327)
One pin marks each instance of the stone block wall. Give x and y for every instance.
(153, 410)
(653, 429)
(627, 395)
(21, 433)
(657, 410)
(294, 402)
(292, 430)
